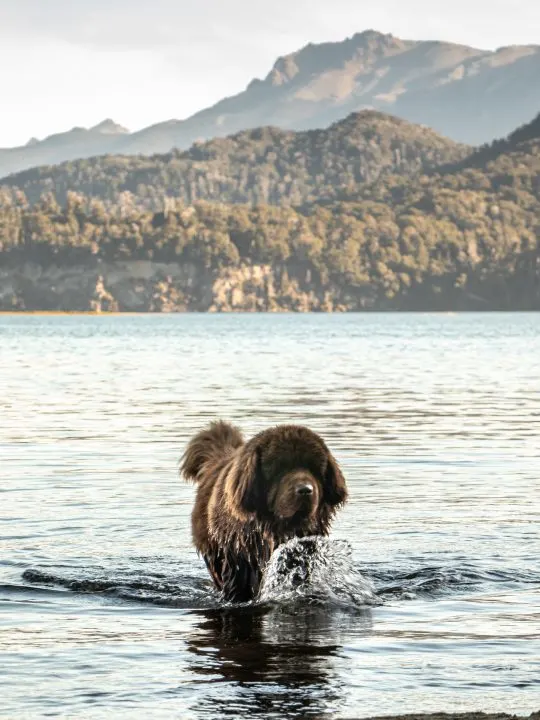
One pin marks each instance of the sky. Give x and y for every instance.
(66, 63)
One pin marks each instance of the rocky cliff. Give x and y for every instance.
(143, 286)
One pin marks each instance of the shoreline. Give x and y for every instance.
(471, 715)
(143, 313)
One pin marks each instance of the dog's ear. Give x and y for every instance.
(244, 486)
(335, 488)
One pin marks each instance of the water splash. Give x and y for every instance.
(315, 570)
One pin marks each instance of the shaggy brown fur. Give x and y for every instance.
(253, 496)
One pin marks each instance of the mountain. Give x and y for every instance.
(466, 237)
(266, 165)
(464, 93)
(76, 143)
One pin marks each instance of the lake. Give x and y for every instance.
(105, 608)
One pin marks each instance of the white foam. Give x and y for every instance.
(315, 570)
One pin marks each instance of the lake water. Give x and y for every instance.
(105, 608)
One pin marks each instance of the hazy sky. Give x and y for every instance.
(76, 62)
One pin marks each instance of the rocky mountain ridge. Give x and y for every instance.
(467, 94)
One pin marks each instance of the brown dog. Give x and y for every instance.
(253, 496)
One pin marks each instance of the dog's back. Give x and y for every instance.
(209, 447)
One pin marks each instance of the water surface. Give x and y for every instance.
(104, 605)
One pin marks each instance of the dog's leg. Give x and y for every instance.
(214, 563)
(241, 578)
(233, 575)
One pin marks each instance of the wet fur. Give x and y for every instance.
(248, 501)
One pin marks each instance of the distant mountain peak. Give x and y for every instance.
(371, 37)
(312, 59)
(109, 127)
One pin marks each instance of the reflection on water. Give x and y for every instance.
(105, 607)
(276, 663)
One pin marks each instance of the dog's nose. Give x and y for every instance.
(304, 489)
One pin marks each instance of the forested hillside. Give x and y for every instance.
(466, 237)
(260, 166)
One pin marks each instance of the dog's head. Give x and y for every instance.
(286, 475)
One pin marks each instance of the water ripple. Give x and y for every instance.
(105, 607)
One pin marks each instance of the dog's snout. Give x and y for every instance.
(304, 489)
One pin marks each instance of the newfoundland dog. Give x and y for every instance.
(252, 496)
